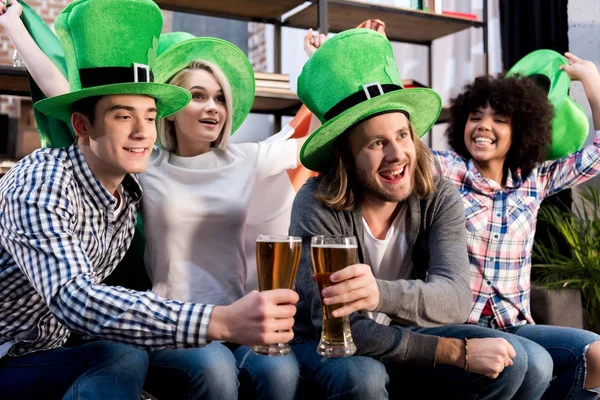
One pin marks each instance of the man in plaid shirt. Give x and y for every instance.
(67, 217)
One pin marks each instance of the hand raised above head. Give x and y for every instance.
(10, 11)
(374, 24)
(312, 41)
(578, 69)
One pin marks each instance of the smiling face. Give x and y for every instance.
(120, 139)
(488, 136)
(385, 157)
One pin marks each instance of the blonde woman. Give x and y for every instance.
(196, 193)
(198, 186)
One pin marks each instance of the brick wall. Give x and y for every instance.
(48, 10)
(257, 49)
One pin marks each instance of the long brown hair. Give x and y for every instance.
(338, 188)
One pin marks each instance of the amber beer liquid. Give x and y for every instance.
(277, 259)
(277, 264)
(336, 338)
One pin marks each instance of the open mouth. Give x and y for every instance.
(393, 175)
(136, 150)
(209, 121)
(483, 141)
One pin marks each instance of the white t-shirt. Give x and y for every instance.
(389, 257)
(194, 210)
(119, 206)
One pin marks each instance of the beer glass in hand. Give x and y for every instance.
(331, 254)
(277, 259)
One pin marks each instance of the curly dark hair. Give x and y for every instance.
(525, 100)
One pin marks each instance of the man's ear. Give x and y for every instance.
(81, 125)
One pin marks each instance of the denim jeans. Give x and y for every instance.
(360, 377)
(267, 377)
(211, 373)
(96, 370)
(567, 347)
(207, 373)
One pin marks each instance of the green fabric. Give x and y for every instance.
(570, 125)
(52, 132)
(110, 33)
(177, 49)
(131, 272)
(340, 68)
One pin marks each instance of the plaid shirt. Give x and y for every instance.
(501, 226)
(58, 240)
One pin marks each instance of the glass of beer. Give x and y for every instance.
(331, 254)
(277, 259)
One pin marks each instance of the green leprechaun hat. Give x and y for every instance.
(570, 125)
(351, 77)
(176, 50)
(110, 48)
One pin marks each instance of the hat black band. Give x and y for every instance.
(368, 92)
(101, 76)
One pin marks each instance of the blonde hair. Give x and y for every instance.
(167, 138)
(339, 190)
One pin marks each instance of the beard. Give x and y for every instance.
(367, 184)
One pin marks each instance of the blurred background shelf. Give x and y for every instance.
(251, 10)
(402, 25)
(13, 81)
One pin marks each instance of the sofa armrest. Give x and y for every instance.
(561, 307)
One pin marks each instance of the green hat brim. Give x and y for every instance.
(422, 105)
(169, 99)
(570, 124)
(228, 57)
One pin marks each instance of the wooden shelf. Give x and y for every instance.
(402, 25)
(13, 81)
(281, 102)
(255, 10)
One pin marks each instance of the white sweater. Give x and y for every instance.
(194, 211)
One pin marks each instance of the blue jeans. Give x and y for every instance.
(96, 370)
(360, 377)
(567, 347)
(207, 373)
(211, 372)
(267, 377)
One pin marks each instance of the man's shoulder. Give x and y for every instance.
(306, 199)
(306, 203)
(40, 167)
(308, 189)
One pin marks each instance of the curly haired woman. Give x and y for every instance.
(500, 134)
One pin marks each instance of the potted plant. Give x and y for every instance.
(577, 266)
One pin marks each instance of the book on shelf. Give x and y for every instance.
(274, 92)
(268, 76)
(272, 84)
(411, 83)
(460, 14)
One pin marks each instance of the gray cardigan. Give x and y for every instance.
(438, 292)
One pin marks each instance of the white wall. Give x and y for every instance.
(584, 42)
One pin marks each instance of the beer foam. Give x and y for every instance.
(280, 240)
(335, 246)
